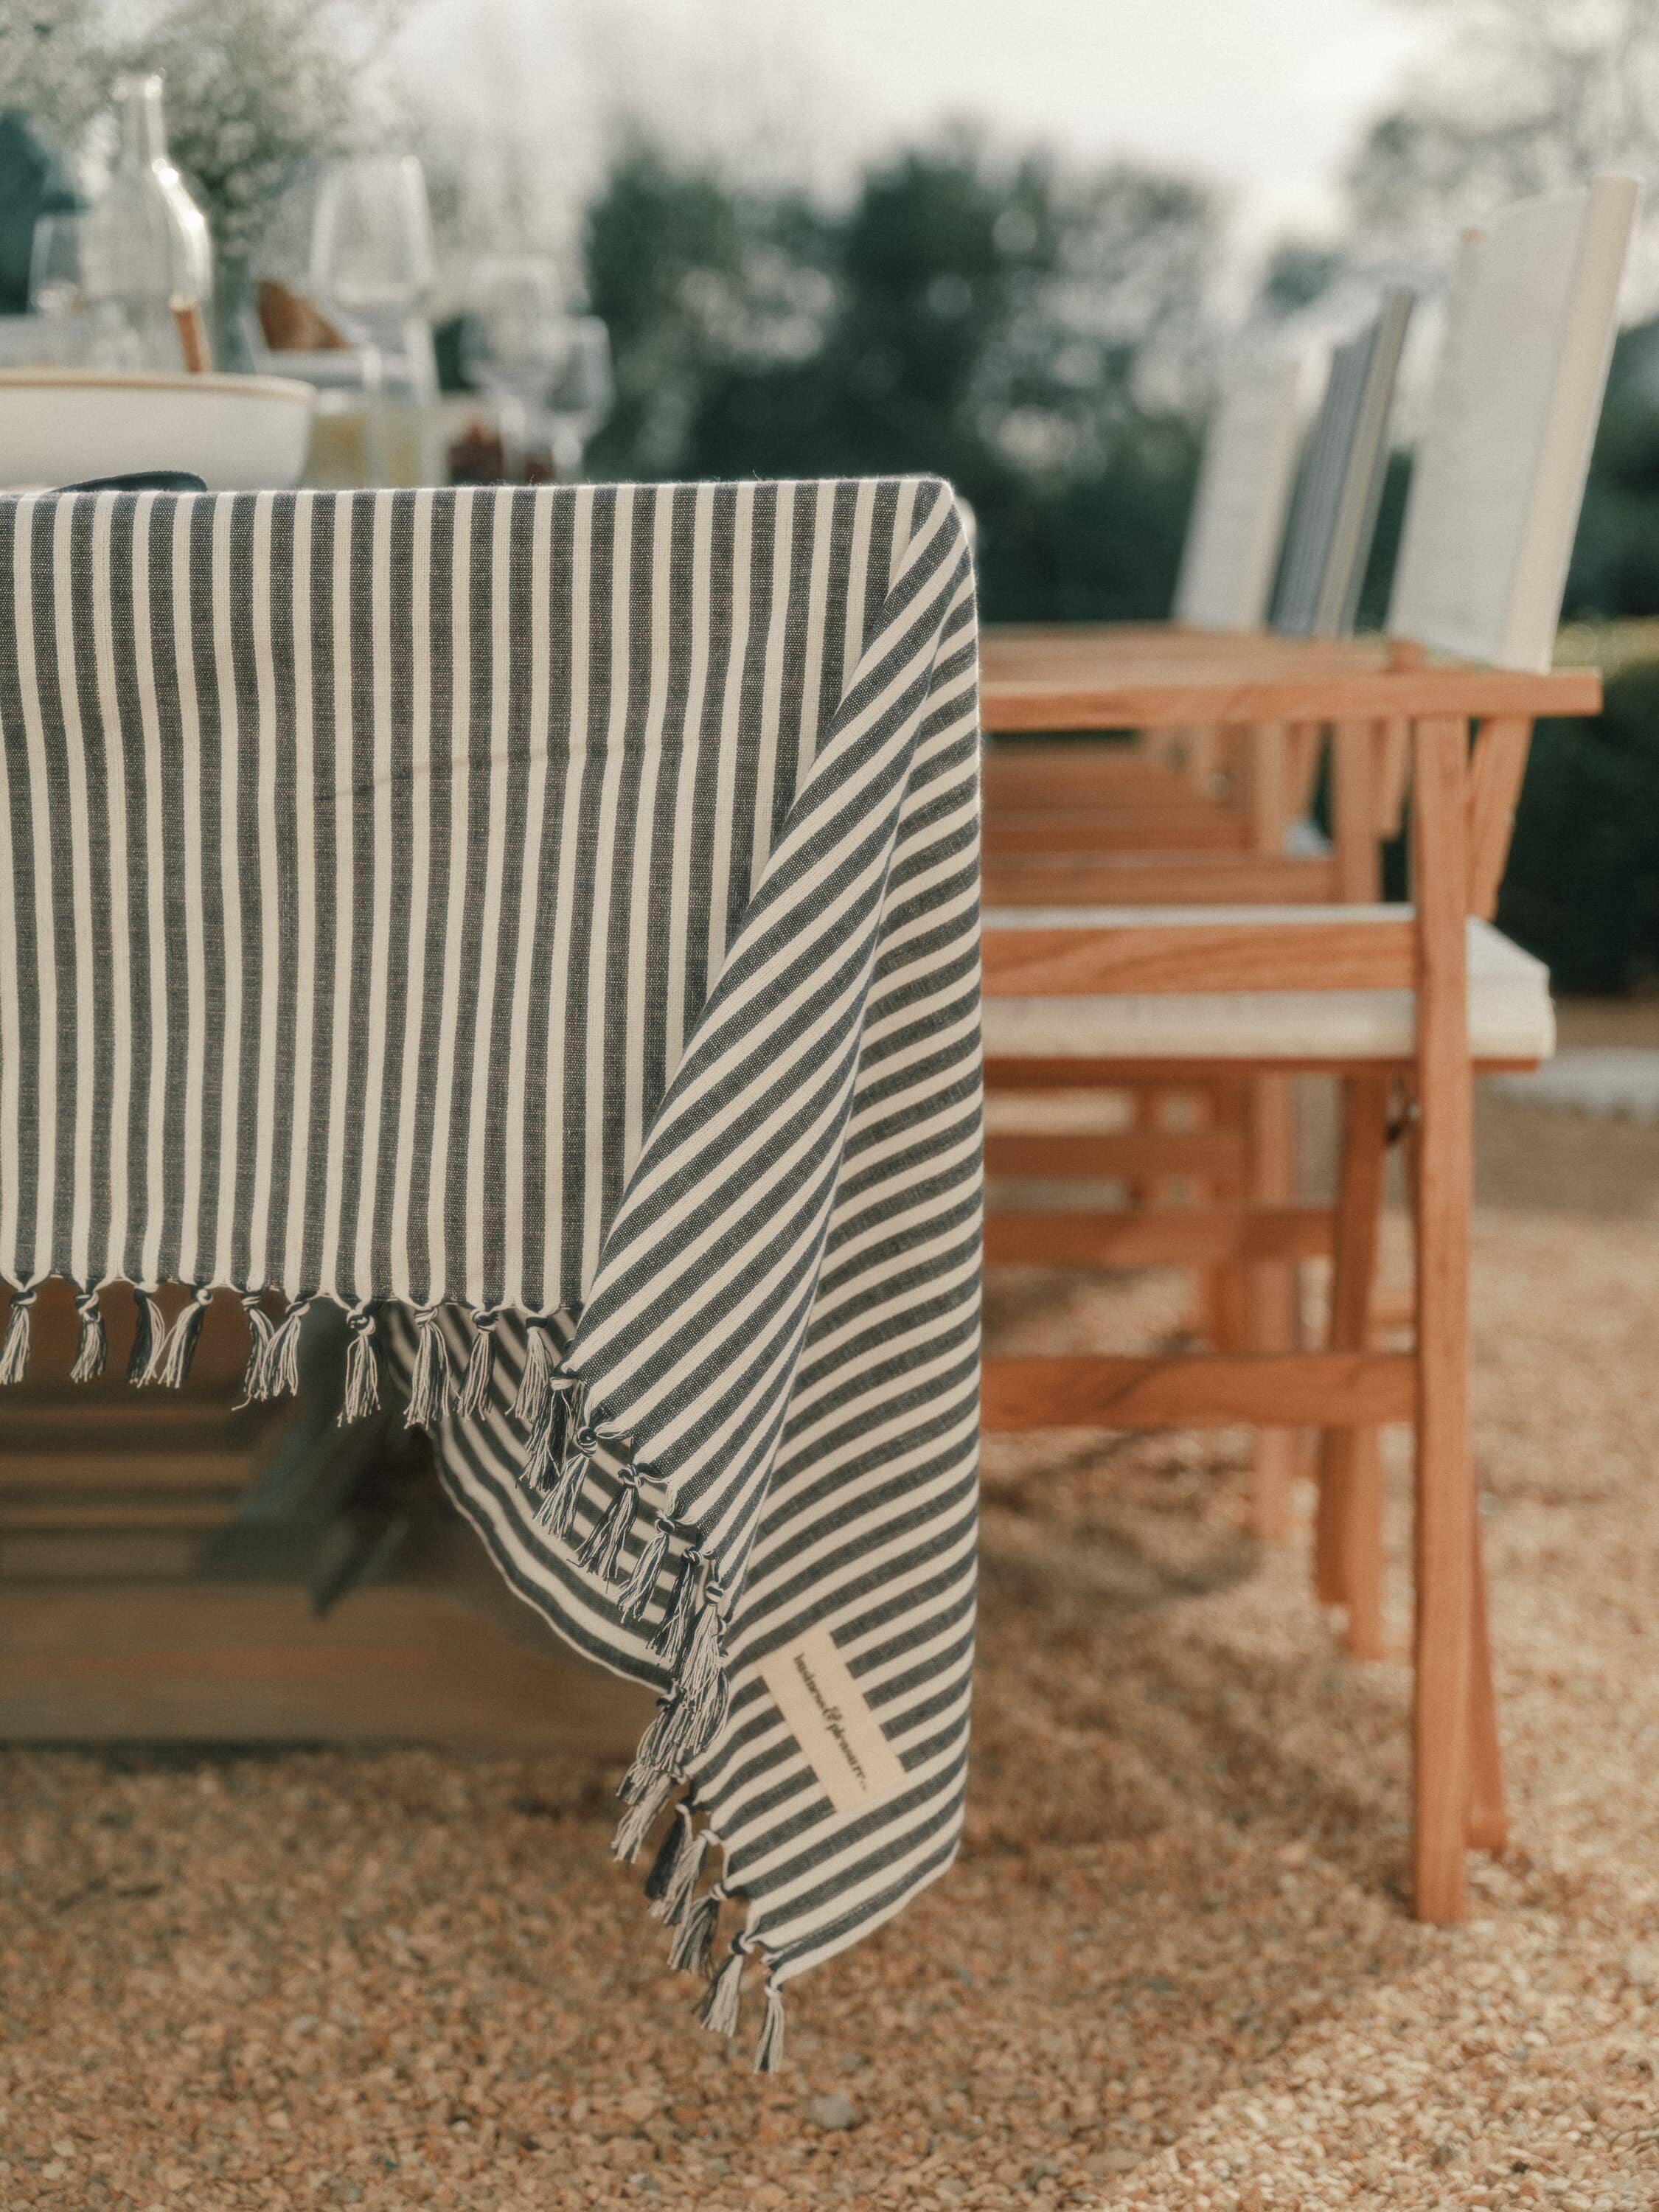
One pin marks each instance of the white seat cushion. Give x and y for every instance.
(1510, 1017)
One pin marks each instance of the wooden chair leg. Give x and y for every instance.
(1488, 1821)
(1273, 1322)
(1445, 1490)
(1348, 1551)
(1224, 1296)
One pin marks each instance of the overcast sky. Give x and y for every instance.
(1264, 96)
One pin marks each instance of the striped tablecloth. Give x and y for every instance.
(545, 924)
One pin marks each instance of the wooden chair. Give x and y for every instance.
(1033, 793)
(1399, 1002)
(1058, 830)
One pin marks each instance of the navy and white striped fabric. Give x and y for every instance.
(545, 923)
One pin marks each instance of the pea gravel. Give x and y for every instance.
(1173, 1968)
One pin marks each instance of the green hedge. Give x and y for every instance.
(1582, 891)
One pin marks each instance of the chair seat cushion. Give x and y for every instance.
(1510, 1018)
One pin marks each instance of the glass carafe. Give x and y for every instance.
(146, 255)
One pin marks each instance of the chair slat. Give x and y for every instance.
(1113, 1154)
(1229, 954)
(1296, 1389)
(1193, 1235)
(1154, 879)
(1196, 826)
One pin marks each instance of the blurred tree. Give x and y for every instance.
(1525, 96)
(1583, 886)
(54, 66)
(1615, 561)
(1036, 337)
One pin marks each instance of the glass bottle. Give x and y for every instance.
(148, 255)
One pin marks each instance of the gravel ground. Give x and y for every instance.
(1173, 1968)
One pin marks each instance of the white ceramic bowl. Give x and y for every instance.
(59, 426)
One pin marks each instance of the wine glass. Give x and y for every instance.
(511, 341)
(580, 394)
(371, 239)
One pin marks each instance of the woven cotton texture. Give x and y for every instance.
(545, 924)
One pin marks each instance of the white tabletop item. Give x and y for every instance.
(61, 426)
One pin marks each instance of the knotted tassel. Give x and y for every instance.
(693, 1948)
(362, 1380)
(544, 1437)
(702, 1694)
(673, 1849)
(603, 1551)
(676, 1624)
(769, 2051)
(473, 1396)
(641, 1587)
(428, 1386)
(535, 1383)
(172, 1368)
(635, 1824)
(654, 1758)
(91, 1347)
(149, 1335)
(672, 1881)
(279, 1376)
(719, 2012)
(557, 1510)
(261, 1330)
(15, 1351)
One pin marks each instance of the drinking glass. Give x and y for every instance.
(546, 370)
(580, 395)
(371, 239)
(510, 338)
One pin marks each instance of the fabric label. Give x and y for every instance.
(831, 1721)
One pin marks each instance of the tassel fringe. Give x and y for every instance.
(14, 1350)
(641, 1587)
(362, 1383)
(91, 1346)
(675, 1875)
(603, 1551)
(474, 1394)
(636, 1823)
(149, 1337)
(429, 1387)
(769, 2051)
(693, 1951)
(536, 1389)
(725, 1999)
(557, 1512)
(261, 1329)
(280, 1376)
(670, 1639)
(544, 1440)
(670, 1853)
(172, 1370)
(701, 1689)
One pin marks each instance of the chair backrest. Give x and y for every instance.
(1339, 485)
(1244, 481)
(1500, 468)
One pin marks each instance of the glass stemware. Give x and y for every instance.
(371, 241)
(549, 372)
(580, 395)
